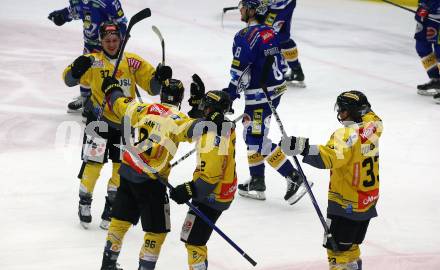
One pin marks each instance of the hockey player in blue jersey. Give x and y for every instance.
(279, 16)
(251, 46)
(93, 13)
(428, 45)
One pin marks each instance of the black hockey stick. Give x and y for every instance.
(162, 41)
(226, 9)
(266, 69)
(410, 10)
(192, 206)
(194, 150)
(143, 14)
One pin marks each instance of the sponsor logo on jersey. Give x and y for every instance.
(267, 35)
(98, 64)
(236, 63)
(175, 117)
(119, 73)
(366, 133)
(133, 64)
(217, 141)
(227, 190)
(158, 109)
(270, 19)
(140, 108)
(431, 32)
(367, 198)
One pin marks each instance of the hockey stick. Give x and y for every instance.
(266, 69)
(226, 9)
(143, 14)
(410, 10)
(192, 206)
(162, 41)
(194, 150)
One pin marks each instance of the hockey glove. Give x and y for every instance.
(80, 66)
(163, 73)
(110, 84)
(218, 119)
(421, 13)
(233, 97)
(294, 146)
(197, 93)
(183, 193)
(59, 17)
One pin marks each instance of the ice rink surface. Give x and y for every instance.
(343, 45)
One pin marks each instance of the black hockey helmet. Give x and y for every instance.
(355, 102)
(109, 28)
(260, 6)
(217, 101)
(172, 92)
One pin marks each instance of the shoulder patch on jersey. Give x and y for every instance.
(270, 19)
(352, 139)
(367, 132)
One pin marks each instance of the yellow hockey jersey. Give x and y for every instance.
(352, 155)
(215, 176)
(159, 128)
(132, 71)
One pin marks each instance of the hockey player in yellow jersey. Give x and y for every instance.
(352, 155)
(214, 181)
(160, 127)
(89, 71)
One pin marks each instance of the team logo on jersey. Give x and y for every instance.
(267, 35)
(133, 64)
(431, 32)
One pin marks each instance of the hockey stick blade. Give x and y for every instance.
(226, 9)
(145, 13)
(162, 41)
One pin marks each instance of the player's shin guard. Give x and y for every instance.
(197, 257)
(150, 250)
(345, 260)
(112, 187)
(89, 177)
(115, 236)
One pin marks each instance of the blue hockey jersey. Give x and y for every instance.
(93, 13)
(251, 47)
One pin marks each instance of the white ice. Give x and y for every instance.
(343, 44)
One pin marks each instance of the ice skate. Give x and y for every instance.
(106, 215)
(76, 106)
(85, 216)
(437, 98)
(254, 188)
(430, 88)
(296, 188)
(295, 77)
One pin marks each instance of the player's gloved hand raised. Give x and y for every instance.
(163, 73)
(183, 193)
(422, 13)
(294, 146)
(110, 84)
(81, 65)
(58, 17)
(218, 119)
(233, 97)
(197, 91)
